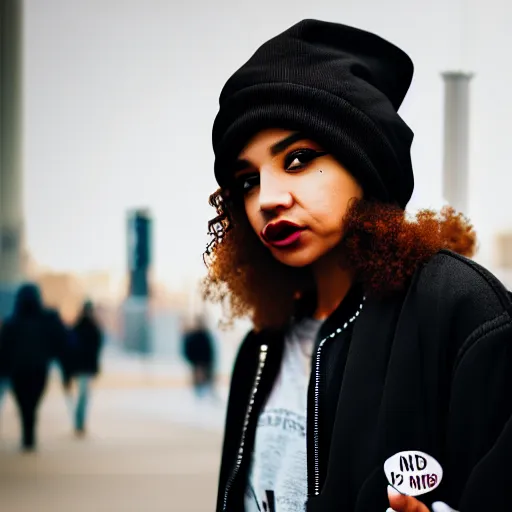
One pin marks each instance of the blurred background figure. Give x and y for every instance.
(4, 380)
(30, 339)
(199, 352)
(86, 347)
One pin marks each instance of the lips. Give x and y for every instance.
(282, 233)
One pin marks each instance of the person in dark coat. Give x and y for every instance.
(4, 379)
(198, 350)
(87, 341)
(30, 339)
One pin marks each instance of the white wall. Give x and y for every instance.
(117, 90)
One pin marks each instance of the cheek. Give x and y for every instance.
(323, 199)
(327, 198)
(253, 215)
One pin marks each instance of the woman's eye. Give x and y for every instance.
(297, 159)
(247, 182)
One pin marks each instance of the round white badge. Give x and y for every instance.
(413, 473)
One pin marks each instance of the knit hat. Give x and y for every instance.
(339, 86)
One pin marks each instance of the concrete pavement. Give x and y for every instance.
(150, 448)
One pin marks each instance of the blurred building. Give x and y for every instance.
(11, 115)
(136, 307)
(139, 238)
(63, 292)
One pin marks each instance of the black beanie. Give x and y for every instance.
(338, 85)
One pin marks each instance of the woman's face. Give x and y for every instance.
(295, 195)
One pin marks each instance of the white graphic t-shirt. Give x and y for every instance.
(278, 476)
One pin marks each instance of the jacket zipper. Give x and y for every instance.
(316, 411)
(259, 371)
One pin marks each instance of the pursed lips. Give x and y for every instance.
(281, 232)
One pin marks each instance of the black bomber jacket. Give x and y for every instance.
(428, 369)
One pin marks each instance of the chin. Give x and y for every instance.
(295, 258)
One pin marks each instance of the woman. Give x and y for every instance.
(371, 335)
(199, 351)
(85, 366)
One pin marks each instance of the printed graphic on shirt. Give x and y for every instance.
(280, 484)
(278, 477)
(285, 420)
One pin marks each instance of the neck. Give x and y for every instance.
(333, 282)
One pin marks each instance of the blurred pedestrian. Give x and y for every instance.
(87, 342)
(30, 339)
(198, 350)
(67, 368)
(4, 379)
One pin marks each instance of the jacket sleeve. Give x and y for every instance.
(6, 343)
(479, 432)
(60, 340)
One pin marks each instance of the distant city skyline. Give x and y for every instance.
(120, 96)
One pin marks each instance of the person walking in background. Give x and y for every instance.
(4, 380)
(198, 350)
(30, 339)
(86, 346)
(67, 369)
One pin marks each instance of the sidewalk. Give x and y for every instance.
(136, 371)
(150, 448)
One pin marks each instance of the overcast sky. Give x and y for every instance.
(120, 96)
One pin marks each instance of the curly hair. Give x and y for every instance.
(381, 243)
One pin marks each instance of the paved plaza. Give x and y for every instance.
(151, 447)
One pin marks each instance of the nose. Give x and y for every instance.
(273, 194)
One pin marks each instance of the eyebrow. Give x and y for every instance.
(275, 149)
(280, 146)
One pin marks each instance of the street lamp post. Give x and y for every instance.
(456, 140)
